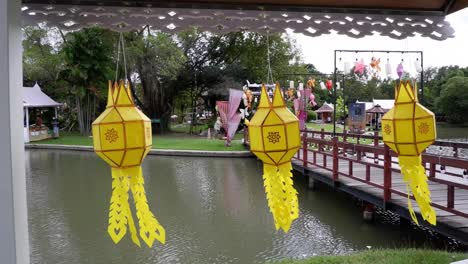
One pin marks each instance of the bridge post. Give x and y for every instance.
(376, 144)
(345, 140)
(335, 158)
(387, 174)
(305, 157)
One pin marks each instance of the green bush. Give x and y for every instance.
(453, 100)
(311, 115)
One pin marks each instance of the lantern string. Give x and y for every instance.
(269, 74)
(121, 45)
(118, 60)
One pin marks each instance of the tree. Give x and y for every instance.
(453, 100)
(341, 108)
(87, 68)
(157, 60)
(42, 61)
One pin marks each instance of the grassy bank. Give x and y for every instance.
(387, 256)
(171, 141)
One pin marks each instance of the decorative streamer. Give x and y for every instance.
(417, 66)
(122, 138)
(274, 139)
(322, 85)
(400, 71)
(388, 69)
(409, 128)
(347, 67)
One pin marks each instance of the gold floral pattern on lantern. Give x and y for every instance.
(387, 129)
(112, 135)
(423, 128)
(274, 137)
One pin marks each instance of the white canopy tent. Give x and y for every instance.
(34, 97)
(394, 18)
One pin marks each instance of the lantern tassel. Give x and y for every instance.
(415, 177)
(120, 214)
(150, 228)
(281, 195)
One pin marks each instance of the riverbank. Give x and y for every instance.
(173, 141)
(387, 256)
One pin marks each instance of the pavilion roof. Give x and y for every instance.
(35, 97)
(397, 19)
(325, 108)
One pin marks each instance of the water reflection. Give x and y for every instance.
(214, 211)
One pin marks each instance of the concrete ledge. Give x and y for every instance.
(156, 152)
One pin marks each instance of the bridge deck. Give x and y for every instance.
(366, 178)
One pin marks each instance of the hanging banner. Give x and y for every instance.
(274, 139)
(122, 138)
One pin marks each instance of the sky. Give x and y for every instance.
(454, 51)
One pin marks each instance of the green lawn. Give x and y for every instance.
(386, 256)
(171, 141)
(326, 127)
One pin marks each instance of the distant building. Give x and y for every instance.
(37, 101)
(325, 113)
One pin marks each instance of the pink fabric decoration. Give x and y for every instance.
(359, 67)
(312, 99)
(234, 117)
(223, 109)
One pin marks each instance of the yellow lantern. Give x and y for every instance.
(408, 129)
(122, 137)
(274, 139)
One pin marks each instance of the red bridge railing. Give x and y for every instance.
(320, 149)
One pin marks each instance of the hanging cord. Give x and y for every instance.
(121, 45)
(270, 74)
(117, 61)
(124, 56)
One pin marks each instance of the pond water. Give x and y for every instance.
(448, 131)
(214, 210)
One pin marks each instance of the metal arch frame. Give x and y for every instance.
(421, 54)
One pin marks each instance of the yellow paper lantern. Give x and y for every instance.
(408, 129)
(122, 137)
(274, 139)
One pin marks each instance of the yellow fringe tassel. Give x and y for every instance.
(415, 177)
(281, 195)
(120, 214)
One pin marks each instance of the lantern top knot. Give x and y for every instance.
(405, 92)
(119, 94)
(276, 101)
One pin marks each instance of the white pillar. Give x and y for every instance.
(14, 244)
(26, 127)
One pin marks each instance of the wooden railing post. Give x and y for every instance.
(304, 151)
(322, 136)
(335, 158)
(432, 170)
(376, 144)
(450, 196)
(345, 140)
(387, 174)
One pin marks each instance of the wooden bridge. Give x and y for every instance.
(365, 168)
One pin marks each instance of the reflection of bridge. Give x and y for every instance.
(365, 168)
